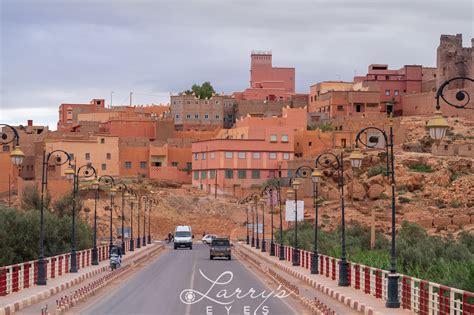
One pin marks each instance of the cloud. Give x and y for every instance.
(72, 51)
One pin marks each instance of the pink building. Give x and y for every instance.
(256, 150)
(268, 82)
(392, 84)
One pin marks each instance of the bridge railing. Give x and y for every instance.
(420, 296)
(16, 277)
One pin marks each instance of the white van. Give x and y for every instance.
(183, 236)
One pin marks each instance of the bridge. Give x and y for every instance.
(156, 279)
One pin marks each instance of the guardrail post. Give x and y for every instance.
(367, 280)
(15, 278)
(406, 292)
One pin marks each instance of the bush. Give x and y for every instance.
(456, 204)
(31, 198)
(376, 170)
(63, 206)
(19, 235)
(325, 127)
(420, 167)
(404, 199)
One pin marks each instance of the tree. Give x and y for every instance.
(202, 91)
(32, 198)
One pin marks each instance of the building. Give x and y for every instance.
(254, 151)
(268, 82)
(68, 113)
(191, 113)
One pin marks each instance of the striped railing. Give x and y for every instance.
(419, 296)
(14, 278)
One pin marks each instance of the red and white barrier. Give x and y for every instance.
(417, 295)
(17, 277)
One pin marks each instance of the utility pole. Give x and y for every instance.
(111, 97)
(131, 99)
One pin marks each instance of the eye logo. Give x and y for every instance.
(190, 297)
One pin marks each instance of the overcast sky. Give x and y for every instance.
(69, 51)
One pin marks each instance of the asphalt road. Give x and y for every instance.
(185, 282)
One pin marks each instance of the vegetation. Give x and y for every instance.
(202, 91)
(421, 168)
(404, 199)
(445, 261)
(376, 170)
(20, 229)
(325, 127)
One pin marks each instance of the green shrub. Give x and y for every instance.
(325, 127)
(456, 204)
(440, 204)
(420, 167)
(404, 199)
(376, 170)
(456, 175)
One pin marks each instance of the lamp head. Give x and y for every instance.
(356, 159)
(95, 184)
(69, 173)
(17, 156)
(316, 176)
(437, 126)
(296, 184)
(113, 191)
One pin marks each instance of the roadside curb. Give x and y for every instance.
(355, 305)
(28, 301)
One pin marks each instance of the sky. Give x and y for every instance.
(56, 51)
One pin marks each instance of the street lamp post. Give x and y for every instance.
(315, 175)
(132, 200)
(74, 173)
(253, 226)
(152, 202)
(125, 195)
(281, 255)
(108, 181)
(262, 202)
(139, 238)
(144, 223)
(268, 190)
(293, 191)
(255, 198)
(356, 158)
(327, 160)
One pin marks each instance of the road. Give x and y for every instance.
(209, 287)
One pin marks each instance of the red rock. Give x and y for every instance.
(441, 222)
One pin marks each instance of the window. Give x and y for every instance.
(387, 92)
(218, 117)
(203, 155)
(387, 77)
(255, 174)
(310, 144)
(6, 148)
(343, 143)
(229, 173)
(273, 138)
(196, 174)
(88, 156)
(206, 116)
(212, 155)
(196, 156)
(203, 174)
(446, 147)
(395, 92)
(189, 166)
(241, 155)
(102, 140)
(157, 164)
(286, 156)
(104, 167)
(128, 165)
(340, 107)
(175, 164)
(242, 174)
(272, 155)
(109, 156)
(284, 138)
(228, 155)
(188, 102)
(212, 174)
(188, 116)
(358, 108)
(256, 155)
(196, 116)
(143, 164)
(176, 116)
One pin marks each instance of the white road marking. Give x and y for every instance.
(191, 286)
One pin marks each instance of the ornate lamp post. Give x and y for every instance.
(247, 239)
(144, 222)
(438, 125)
(253, 226)
(17, 156)
(268, 190)
(95, 258)
(263, 200)
(293, 191)
(255, 199)
(139, 239)
(133, 201)
(125, 195)
(315, 175)
(327, 160)
(74, 173)
(152, 202)
(356, 158)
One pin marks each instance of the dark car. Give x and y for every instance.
(220, 247)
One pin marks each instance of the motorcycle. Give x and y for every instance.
(114, 261)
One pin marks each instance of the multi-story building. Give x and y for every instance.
(192, 113)
(255, 150)
(268, 82)
(68, 113)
